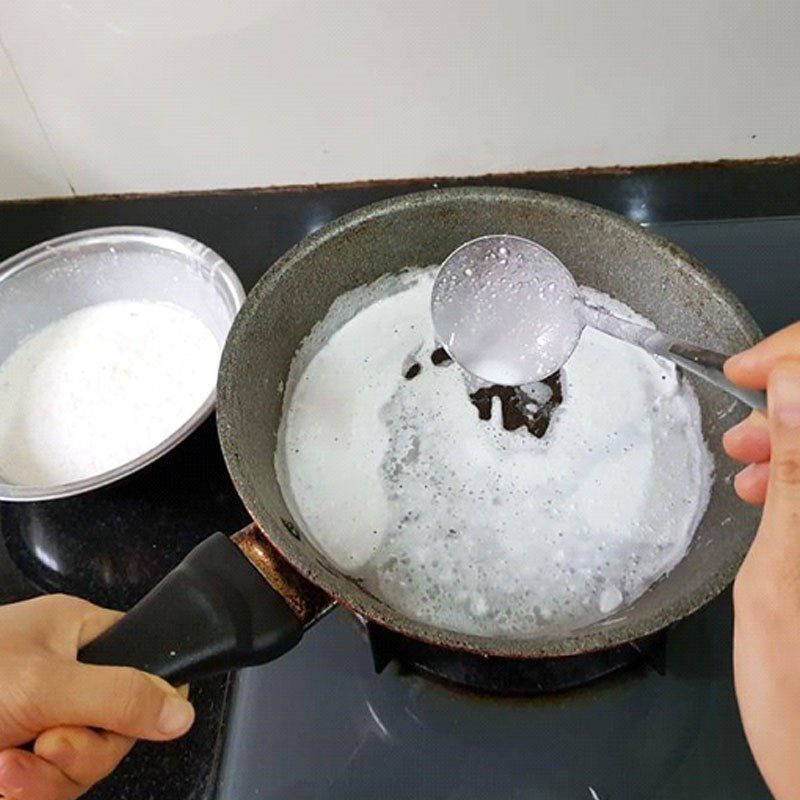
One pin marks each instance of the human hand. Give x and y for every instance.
(83, 719)
(767, 589)
(749, 441)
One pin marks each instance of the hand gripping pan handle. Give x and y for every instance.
(214, 612)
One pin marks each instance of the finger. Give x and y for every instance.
(84, 756)
(781, 519)
(748, 441)
(751, 483)
(55, 618)
(751, 367)
(121, 700)
(65, 623)
(96, 621)
(24, 776)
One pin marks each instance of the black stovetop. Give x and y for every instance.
(318, 723)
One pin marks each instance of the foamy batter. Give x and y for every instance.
(100, 387)
(460, 523)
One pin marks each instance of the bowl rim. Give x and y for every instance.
(178, 243)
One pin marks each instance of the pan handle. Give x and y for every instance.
(214, 612)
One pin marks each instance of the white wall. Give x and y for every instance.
(153, 95)
(28, 167)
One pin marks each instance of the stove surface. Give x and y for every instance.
(320, 723)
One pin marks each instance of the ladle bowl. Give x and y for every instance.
(508, 311)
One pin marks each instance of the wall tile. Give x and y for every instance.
(191, 94)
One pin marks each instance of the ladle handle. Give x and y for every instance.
(707, 364)
(214, 612)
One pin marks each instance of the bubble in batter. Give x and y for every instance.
(456, 520)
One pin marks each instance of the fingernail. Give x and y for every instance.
(61, 753)
(733, 432)
(755, 420)
(745, 474)
(12, 776)
(176, 716)
(784, 396)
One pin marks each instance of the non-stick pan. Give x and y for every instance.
(246, 599)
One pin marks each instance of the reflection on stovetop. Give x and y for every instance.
(320, 723)
(112, 544)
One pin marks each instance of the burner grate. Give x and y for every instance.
(512, 676)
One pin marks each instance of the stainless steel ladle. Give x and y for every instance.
(509, 312)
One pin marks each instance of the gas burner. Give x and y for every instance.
(512, 676)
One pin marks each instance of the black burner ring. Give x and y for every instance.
(512, 676)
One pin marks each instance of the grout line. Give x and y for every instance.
(38, 119)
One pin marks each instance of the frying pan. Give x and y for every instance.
(244, 600)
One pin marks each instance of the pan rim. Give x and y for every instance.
(573, 642)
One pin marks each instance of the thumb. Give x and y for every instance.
(121, 700)
(781, 520)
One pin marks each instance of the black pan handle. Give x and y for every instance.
(214, 612)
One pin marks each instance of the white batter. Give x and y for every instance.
(460, 523)
(100, 387)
